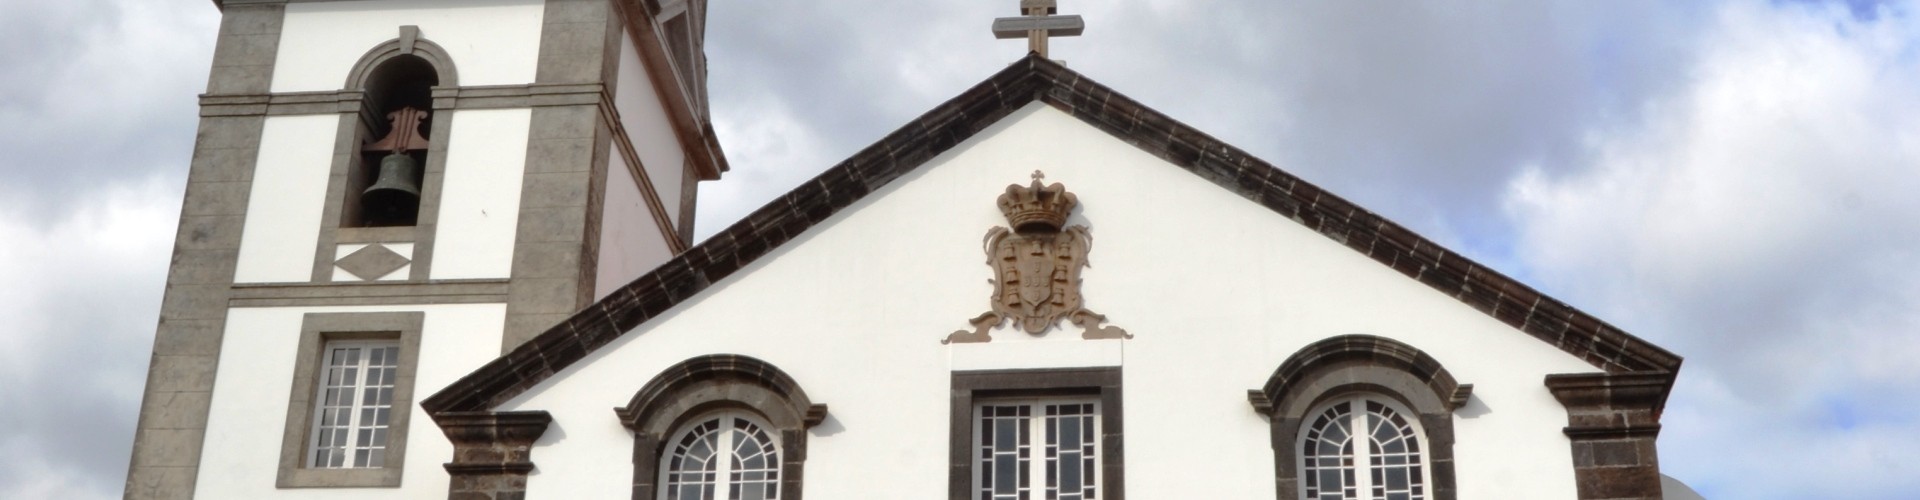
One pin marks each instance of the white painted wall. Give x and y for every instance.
(492, 42)
(480, 195)
(248, 408)
(289, 191)
(1218, 291)
(630, 241)
(647, 124)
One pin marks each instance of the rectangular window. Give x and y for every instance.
(350, 400)
(1037, 434)
(1054, 441)
(352, 416)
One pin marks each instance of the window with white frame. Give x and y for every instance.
(1362, 448)
(729, 452)
(1037, 449)
(354, 408)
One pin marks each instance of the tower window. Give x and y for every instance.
(383, 189)
(353, 416)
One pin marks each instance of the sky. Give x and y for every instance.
(1732, 180)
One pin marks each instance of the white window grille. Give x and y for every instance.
(354, 405)
(726, 452)
(1037, 449)
(1362, 448)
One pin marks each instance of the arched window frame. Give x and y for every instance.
(694, 389)
(358, 121)
(1350, 365)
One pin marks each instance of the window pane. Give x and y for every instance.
(1067, 451)
(354, 404)
(1326, 456)
(1070, 451)
(723, 453)
(1004, 454)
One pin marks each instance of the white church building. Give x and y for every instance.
(442, 249)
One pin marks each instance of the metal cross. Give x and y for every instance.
(1036, 24)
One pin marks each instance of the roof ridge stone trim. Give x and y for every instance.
(940, 129)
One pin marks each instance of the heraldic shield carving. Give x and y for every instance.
(1036, 266)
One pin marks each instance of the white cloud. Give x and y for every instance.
(80, 301)
(1760, 220)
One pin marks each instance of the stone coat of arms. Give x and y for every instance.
(1036, 265)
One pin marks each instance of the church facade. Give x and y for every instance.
(433, 251)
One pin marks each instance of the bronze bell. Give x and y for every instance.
(395, 194)
(394, 197)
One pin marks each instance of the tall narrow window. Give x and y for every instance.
(1362, 448)
(384, 190)
(728, 452)
(355, 408)
(1045, 449)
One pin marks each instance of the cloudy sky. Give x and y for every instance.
(1735, 181)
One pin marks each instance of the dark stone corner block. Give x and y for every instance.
(1612, 422)
(492, 451)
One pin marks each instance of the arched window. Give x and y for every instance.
(385, 190)
(1362, 417)
(1362, 447)
(728, 452)
(720, 427)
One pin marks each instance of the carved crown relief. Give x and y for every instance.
(1036, 266)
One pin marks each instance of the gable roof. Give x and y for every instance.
(1031, 79)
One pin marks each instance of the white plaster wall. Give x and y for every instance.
(492, 42)
(248, 408)
(289, 191)
(480, 195)
(630, 241)
(647, 124)
(1218, 291)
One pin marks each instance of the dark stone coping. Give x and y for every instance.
(469, 427)
(1601, 405)
(1028, 80)
(492, 451)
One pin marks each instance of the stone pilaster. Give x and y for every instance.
(557, 242)
(193, 312)
(1612, 420)
(492, 452)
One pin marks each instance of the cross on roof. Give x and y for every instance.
(1037, 23)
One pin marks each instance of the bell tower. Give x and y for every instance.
(385, 194)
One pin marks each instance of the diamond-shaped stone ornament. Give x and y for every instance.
(371, 262)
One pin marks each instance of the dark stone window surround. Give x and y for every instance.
(702, 385)
(315, 331)
(1348, 365)
(969, 386)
